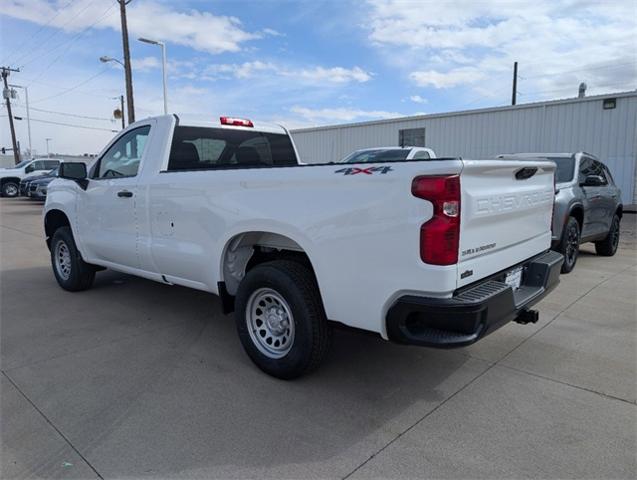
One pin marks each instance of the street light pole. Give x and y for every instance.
(163, 68)
(26, 98)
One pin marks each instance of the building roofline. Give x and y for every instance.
(632, 93)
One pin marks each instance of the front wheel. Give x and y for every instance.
(280, 319)
(71, 272)
(10, 189)
(569, 245)
(608, 246)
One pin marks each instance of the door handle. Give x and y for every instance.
(124, 193)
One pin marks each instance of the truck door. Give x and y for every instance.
(107, 208)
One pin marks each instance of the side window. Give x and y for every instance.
(122, 159)
(421, 155)
(585, 169)
(599, 170)
(50, 164)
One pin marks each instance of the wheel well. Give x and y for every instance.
(53, 220)
(9, 179)
(247, 250)
(620, 211)
(578, 214)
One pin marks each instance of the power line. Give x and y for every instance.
(69, 42)
(566, 88)
(62, 88)
(45, 42)
(606, 67)
(42, 27)
(72, 125)
(66, 114)
(68, 90)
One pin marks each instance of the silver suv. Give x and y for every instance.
(588, 205)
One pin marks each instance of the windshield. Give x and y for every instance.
(21, 164)
(377, 155)
(565, 168)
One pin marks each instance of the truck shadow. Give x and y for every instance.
(148, 379)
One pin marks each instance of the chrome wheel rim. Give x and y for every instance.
(62, 257)
(572, 245)
(11, 190)
(270, 323)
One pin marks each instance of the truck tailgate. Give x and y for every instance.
(506, 210)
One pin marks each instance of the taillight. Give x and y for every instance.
(440, 235)
(237, 122)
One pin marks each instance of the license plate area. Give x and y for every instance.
(513, 278)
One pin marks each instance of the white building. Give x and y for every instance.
(604, 125)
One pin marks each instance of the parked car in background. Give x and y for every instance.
(38, 188)
(419, 252)
(24, 183)
(588, 205)
(389, 154)
(10, 177)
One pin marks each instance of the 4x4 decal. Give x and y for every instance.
(367, 171)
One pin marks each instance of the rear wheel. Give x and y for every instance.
(280, 319)
(608, 246)
(569, 245)
(10, 189)
(71, 272)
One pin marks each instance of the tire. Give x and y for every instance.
(608, 246)
(569, 245)
(71, 272)
(281, 346)
(10, 189)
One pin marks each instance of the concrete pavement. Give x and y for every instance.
(137, 379)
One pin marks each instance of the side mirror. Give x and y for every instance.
(593, 181)
(30, 168)
(74, 171)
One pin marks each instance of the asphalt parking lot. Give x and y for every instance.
(138, 379)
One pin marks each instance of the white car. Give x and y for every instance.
(10, 177)
(432, 253)
(389, 154)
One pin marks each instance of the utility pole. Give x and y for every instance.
(5, 73)
(48, 153)
(26, 97)
(127, 65)
(514, 95)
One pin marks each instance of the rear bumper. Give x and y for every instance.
(474, 312)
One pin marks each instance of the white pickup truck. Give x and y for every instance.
(10, 177)
(432, 253)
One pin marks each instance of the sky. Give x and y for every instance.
(303, 63)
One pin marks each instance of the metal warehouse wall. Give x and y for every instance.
(558, 126)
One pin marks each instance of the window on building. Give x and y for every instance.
(411, 137)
